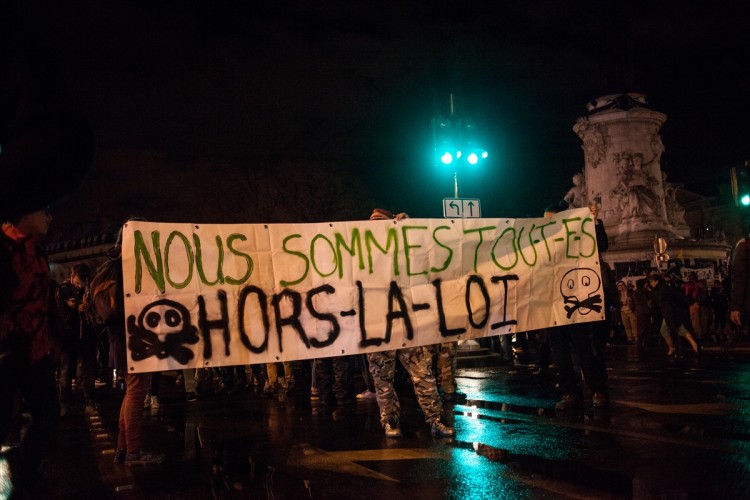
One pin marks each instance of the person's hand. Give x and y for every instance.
(594, 209)
(734, 317)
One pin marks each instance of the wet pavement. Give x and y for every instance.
(676, 428)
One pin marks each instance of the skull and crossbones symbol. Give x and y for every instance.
(161, 330)
(579, 287)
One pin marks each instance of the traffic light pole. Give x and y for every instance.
(455, 170)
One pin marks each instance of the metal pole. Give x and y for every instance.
(455, 184)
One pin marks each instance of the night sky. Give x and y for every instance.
(351, 86)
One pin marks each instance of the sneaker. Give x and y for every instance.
(120, 455)
(143, 458)
(600, 400)
(191, 397)
(567, 402)
(392, 429)
(100, 382)
(154, 403)
(439, 429)
(367, 395)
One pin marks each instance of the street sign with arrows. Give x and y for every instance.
(461, 208)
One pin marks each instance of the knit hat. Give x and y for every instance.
(381, 214)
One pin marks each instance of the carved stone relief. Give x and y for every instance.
(595, 141)
(634, 193)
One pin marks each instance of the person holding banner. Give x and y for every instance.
(579, 341)
(130, 450)
(334, 381)
(418, 363)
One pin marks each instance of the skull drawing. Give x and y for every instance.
(162, 330)
(579, 288)
(164, 317)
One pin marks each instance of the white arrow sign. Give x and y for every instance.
(461, 208)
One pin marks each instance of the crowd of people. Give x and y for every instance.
(51, 344)
(644, 305)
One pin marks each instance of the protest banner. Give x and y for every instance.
(206, 295)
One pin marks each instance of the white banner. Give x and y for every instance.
(703, 273)
(204, 295)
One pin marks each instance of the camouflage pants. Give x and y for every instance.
(446, 365)
(418, 363)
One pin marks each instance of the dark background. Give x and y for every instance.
(301, 111)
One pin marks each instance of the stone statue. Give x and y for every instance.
(576, 196)
(634, 191)
(675, 212)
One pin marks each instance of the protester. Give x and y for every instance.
(694, 291)
(28, 336)
(739, 298)
(151, 402)
(673, 304)
(577, 341)
(79, 343)
(445, 357)
(369, 391)
(46, 148)
(278, 386)
(335, 384)
(130, 449)
(418, 362)
(627, 313)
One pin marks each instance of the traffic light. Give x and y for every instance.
(476, 156)
(741, 185)
(454, 141)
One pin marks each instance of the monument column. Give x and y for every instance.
(622, 151)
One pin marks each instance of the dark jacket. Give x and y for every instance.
(27, 323)
(673, 305)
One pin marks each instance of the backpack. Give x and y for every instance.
(104, 299)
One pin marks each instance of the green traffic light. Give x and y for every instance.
(447, 158)
(477, 155)
(745, 200)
